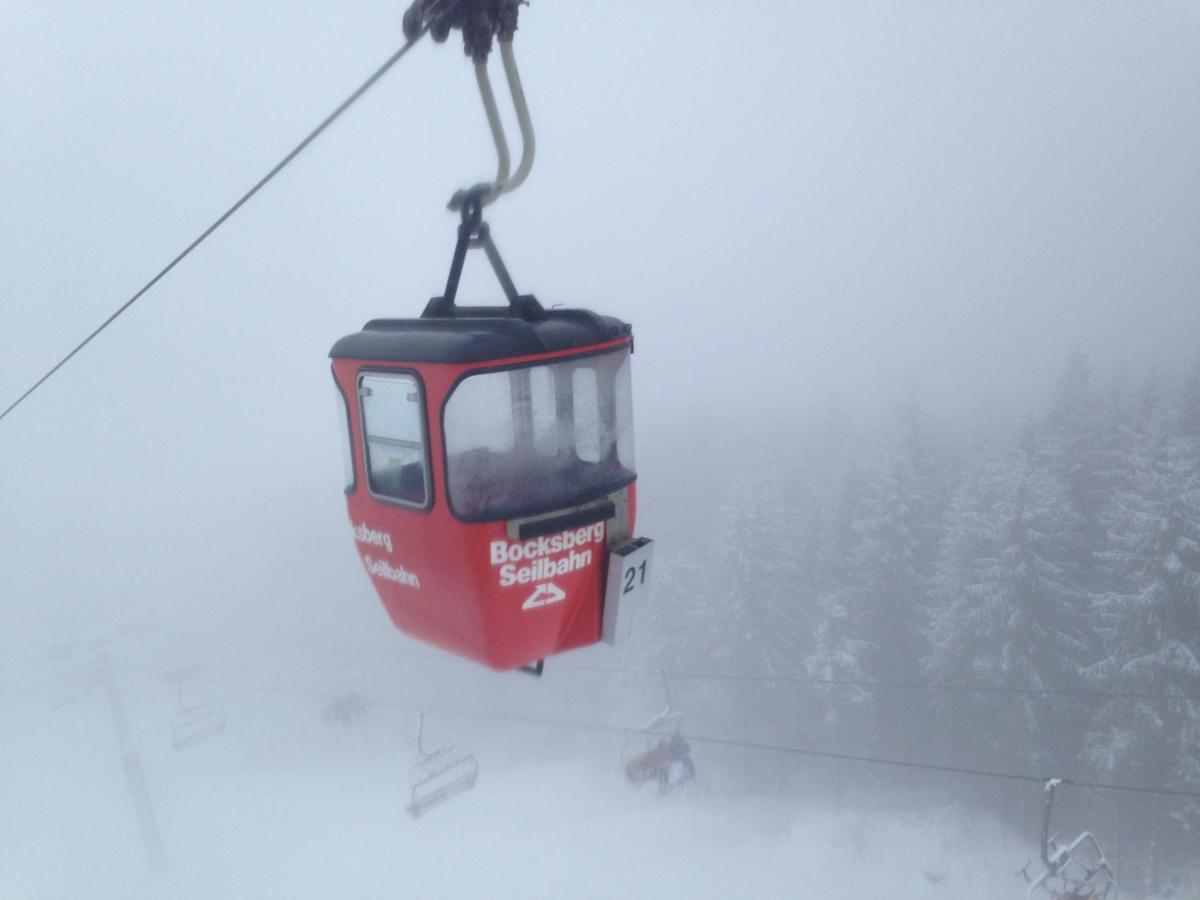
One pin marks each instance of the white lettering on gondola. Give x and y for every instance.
(537, 553)
(365, 534)
(384, 569)
(544, 568)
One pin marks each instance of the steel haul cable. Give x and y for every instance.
(225, 216)
(554, 722)
(932, 688)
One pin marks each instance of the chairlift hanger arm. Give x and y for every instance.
(1047, 809)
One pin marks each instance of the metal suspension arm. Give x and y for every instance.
(474, 233)
(483, 22)
(503, 160)
(504, 183)
(528, 143)
(421, 737)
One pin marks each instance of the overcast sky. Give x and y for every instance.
(788, 200)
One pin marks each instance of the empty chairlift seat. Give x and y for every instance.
(196, 721)
(439, 774)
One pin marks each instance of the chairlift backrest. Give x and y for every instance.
(437, 775)
(196, 721)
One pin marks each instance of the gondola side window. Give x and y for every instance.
(543, 413)
(347, 441)
(537, 438)
(623, 397)
(585, 399)
(394, 435)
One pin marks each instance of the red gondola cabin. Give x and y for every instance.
(492, 473)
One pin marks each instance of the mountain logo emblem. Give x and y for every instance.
(544, 595)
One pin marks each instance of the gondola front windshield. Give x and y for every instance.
(533, 439)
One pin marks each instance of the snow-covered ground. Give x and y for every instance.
(288, 805)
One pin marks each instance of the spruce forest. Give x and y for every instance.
(1025, 599)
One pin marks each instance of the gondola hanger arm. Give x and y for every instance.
(483, 23)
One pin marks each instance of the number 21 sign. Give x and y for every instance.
(629, 568)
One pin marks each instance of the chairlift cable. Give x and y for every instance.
(852, 757)
(225, 216)
(556, 722)
(898, 685)
(953, 770)
(696, 675)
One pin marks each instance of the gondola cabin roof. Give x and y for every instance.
(479, 335)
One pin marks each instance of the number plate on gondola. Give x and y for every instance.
(629, 568)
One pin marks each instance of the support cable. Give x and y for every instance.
(554, 722)
(895, 685)
(225, 216)
(930, 687)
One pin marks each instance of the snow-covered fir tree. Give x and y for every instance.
(1013, 616)
(1152, 646)
(897, 525)
(838, 651)
(755, 578)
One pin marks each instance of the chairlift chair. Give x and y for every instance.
(439, 774)
(348, 702)
(1075, 871)
(638, 750)
(195, 721)
(649, 750)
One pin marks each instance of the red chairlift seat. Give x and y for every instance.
(491, 466)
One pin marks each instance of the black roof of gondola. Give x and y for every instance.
(477, 335)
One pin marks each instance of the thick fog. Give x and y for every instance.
(916, 296)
